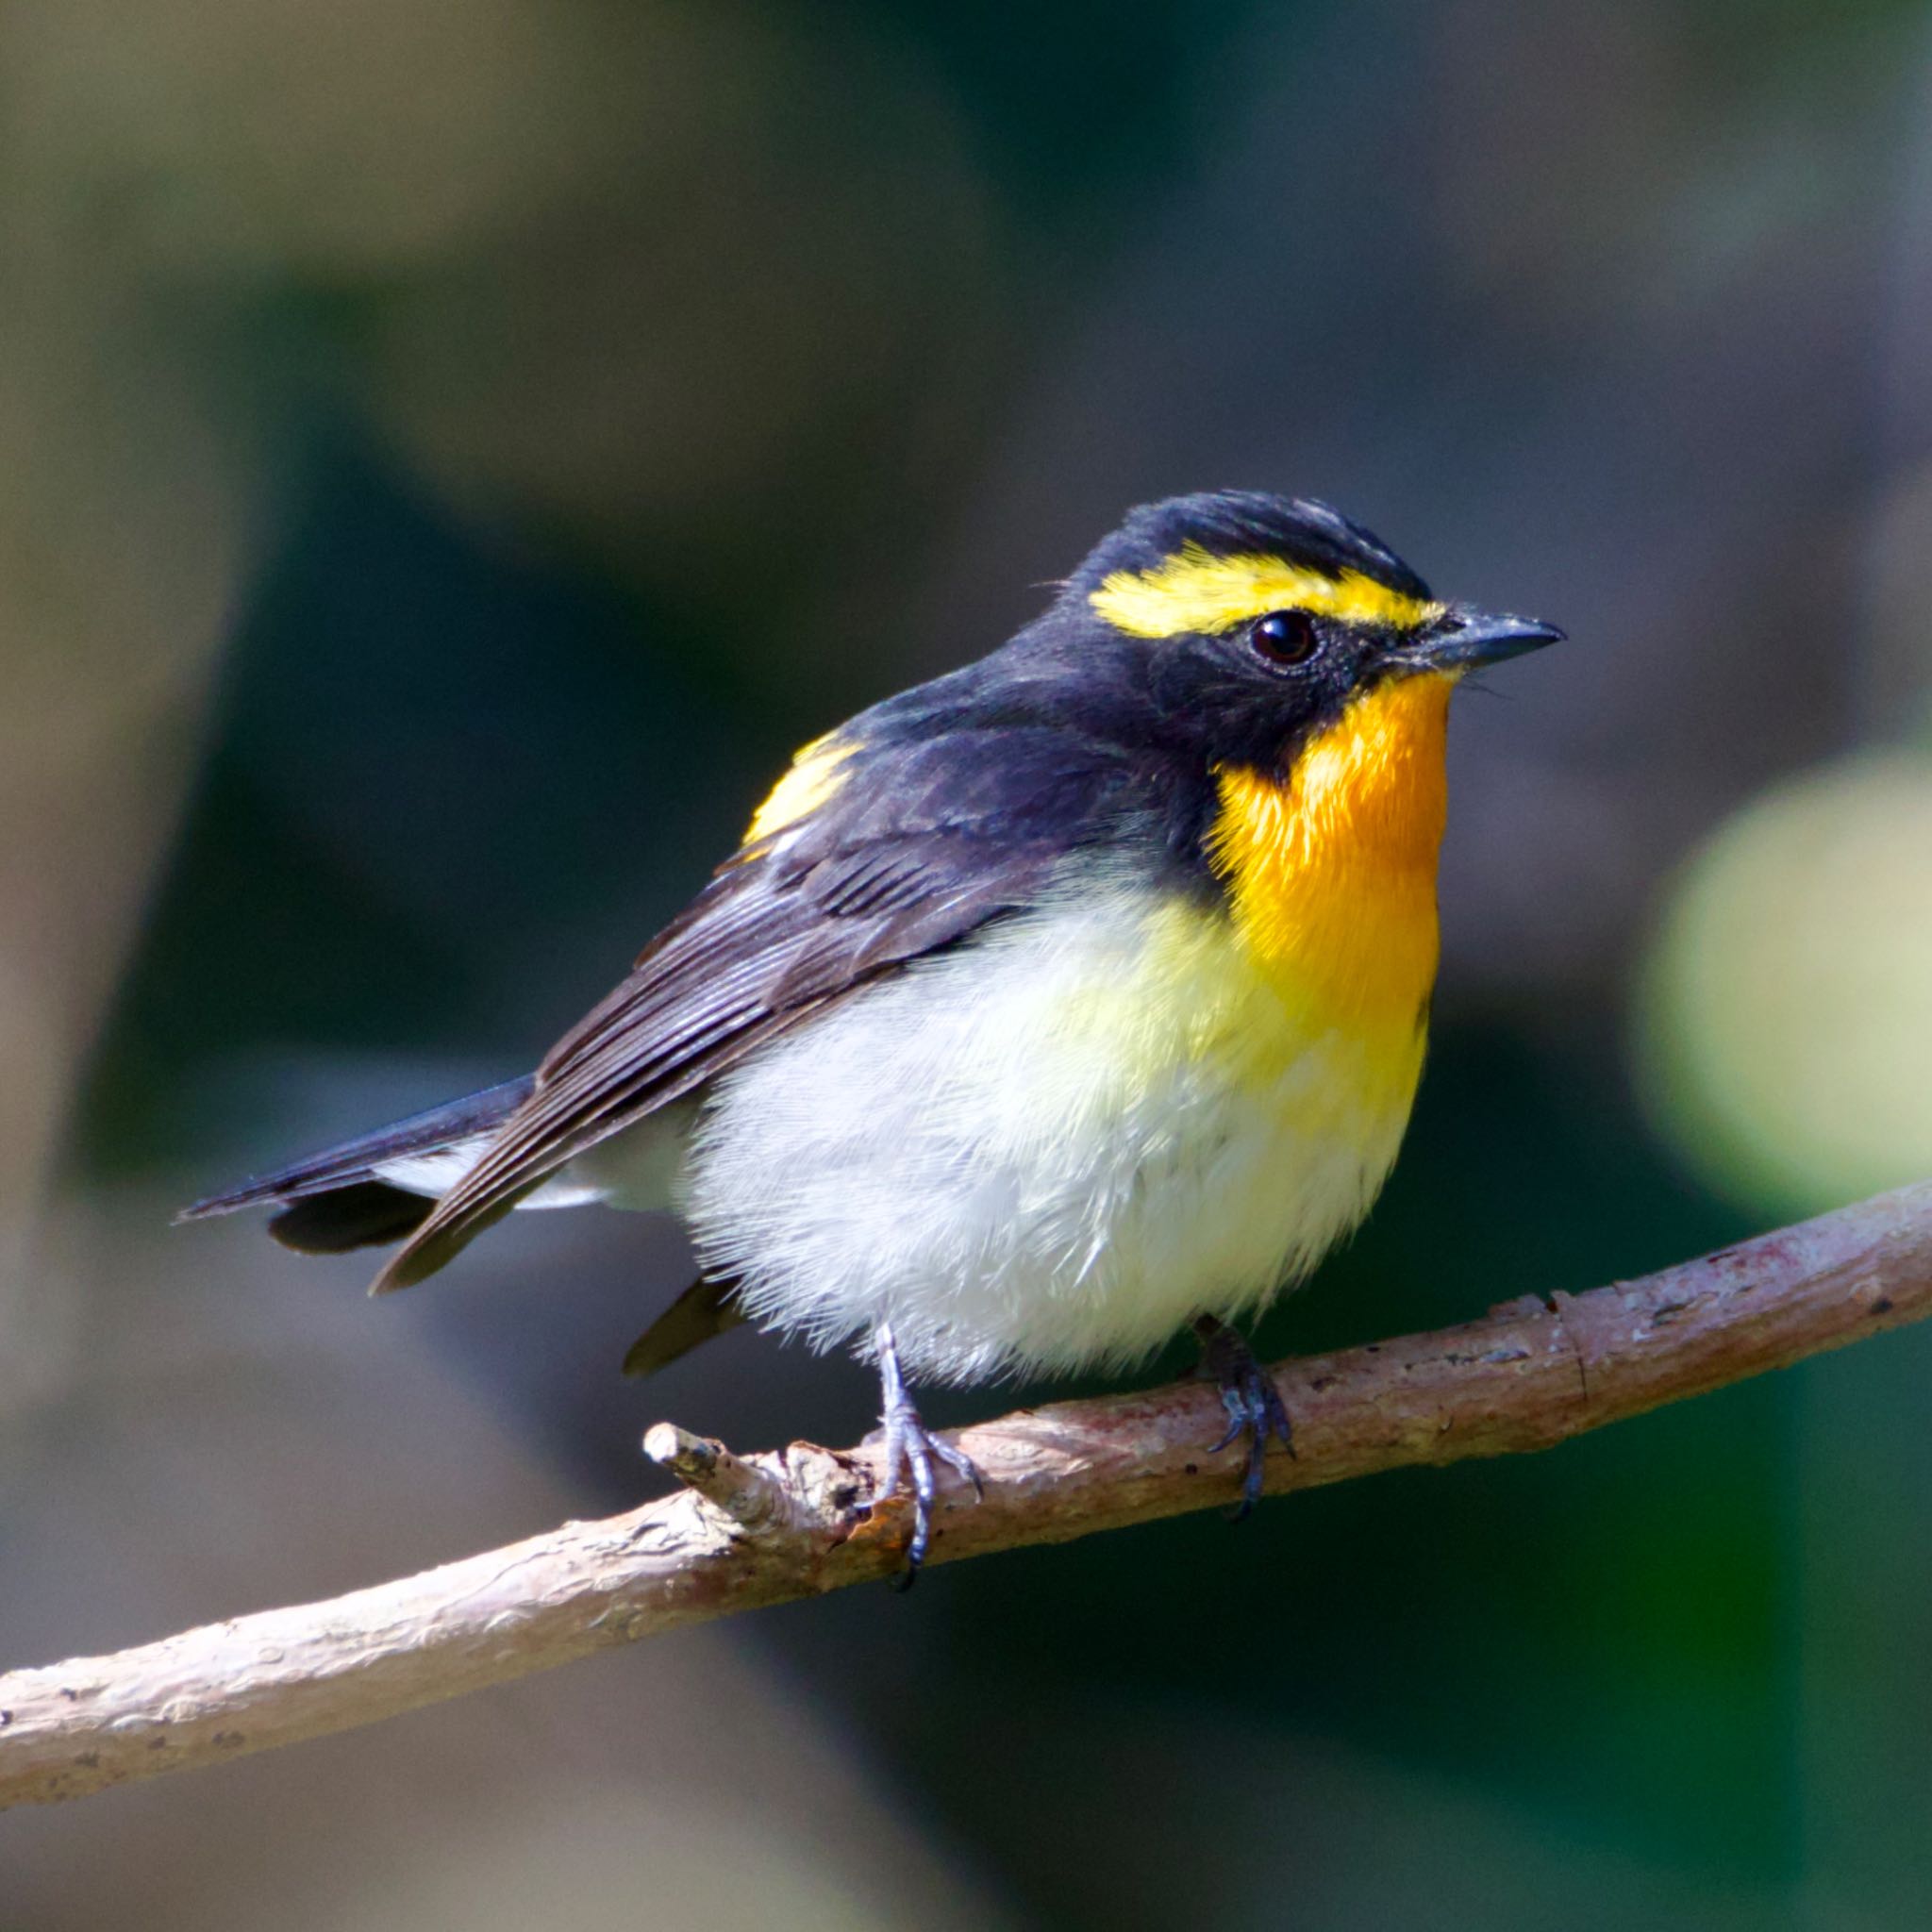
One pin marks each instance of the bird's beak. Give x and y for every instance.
(1462, 639)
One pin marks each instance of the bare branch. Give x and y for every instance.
(761, 1529)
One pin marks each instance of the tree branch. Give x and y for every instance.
(762, 1530)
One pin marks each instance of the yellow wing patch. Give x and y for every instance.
(816, 774)
(1331, 872)
(1195, 590)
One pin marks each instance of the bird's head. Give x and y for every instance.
(1249, 624)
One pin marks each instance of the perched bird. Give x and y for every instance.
(1048, 1007)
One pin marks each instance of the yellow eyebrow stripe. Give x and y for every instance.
(814, 776)
(1194, 589)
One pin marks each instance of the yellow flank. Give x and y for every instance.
(1195, 590)
(1331, 872)
(816, 774)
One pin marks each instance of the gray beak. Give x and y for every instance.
(1462, 639)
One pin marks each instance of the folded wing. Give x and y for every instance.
(915, 847)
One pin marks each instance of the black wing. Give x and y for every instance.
(351, 1162)
(917, 846)
(337, 1200)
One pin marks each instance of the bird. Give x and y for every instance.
(1052, 1007)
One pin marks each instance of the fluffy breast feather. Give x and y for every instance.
(1050, 1148)
(1331, 871)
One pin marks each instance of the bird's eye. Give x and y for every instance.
(1284, 636)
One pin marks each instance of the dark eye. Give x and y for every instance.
(1285, 637)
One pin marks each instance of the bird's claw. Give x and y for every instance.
(911, 1452)
(1254, 1404)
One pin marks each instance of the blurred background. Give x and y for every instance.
(454, 452)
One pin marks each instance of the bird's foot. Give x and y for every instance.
(1254, 1404)
(911, 1451)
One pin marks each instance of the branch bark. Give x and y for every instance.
(744, 1532)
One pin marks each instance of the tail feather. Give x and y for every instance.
(704, 1309)
(355, 1164)
(363, 1215)
(419, 1259)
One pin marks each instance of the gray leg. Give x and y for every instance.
(1252, 1403)
(911, 1451)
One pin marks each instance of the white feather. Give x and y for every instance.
(636, 1169)
(1046, 1149)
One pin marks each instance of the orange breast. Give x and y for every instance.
(1332, 871)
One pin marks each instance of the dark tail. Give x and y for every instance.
(364, 1214)
(704, 1310)
(334, 1200)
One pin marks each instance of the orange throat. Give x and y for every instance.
(1332, 871)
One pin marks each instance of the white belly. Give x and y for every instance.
(1049, 1150)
